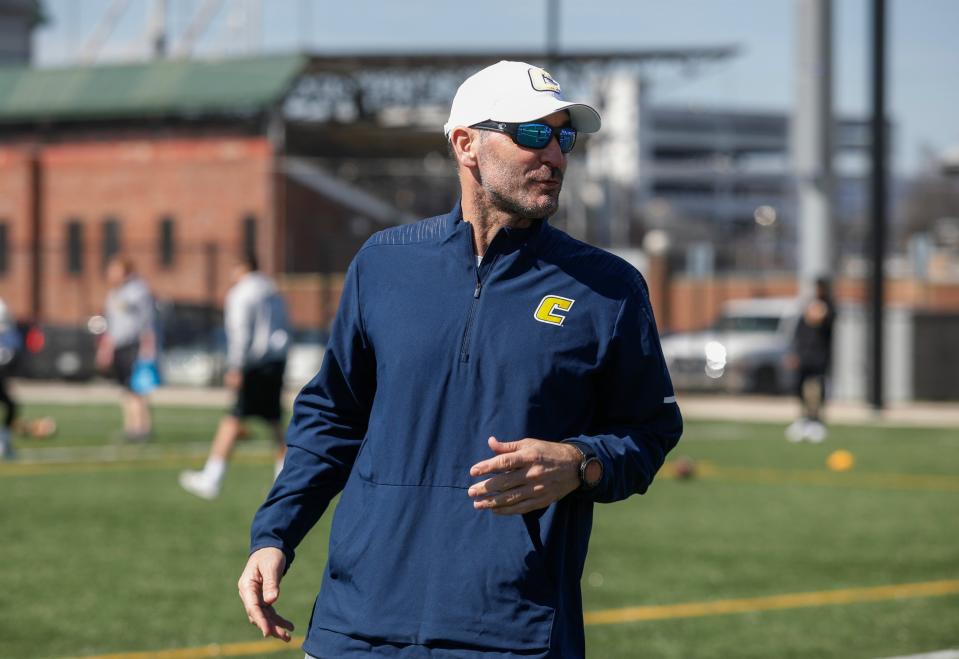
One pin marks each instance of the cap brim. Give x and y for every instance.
(583, 117)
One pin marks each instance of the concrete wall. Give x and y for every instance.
(851, 366)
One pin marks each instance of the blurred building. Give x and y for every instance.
(181, 164)
(720, 182)
(724, 164)
(170, 163)
(17, 20)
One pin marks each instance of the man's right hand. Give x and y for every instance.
(791, 361)
(259, 587)
(104, 354)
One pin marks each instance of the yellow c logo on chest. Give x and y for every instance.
(549, 308)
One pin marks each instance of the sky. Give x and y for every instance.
(923, 46)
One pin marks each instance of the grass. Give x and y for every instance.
(105, 559)
(97, 424)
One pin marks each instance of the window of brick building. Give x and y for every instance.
(4, 247)
(249, 235)
(167, 242)
(111, 239)
(74, 247)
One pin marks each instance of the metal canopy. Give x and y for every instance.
(316, 88)
(348, 88)
(357, 62)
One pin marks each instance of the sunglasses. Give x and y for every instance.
(533, 135)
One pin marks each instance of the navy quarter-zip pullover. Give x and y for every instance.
(429, 355)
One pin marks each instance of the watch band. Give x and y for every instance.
(588, 458)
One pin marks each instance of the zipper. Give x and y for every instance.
(477, 291)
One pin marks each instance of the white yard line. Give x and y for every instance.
(941, 654)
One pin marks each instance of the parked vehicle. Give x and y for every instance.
(193, 344)
(194, 348)
(744, 351)
(55, 352)
(192, 352)
(305, 357)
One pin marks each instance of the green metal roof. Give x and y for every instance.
(146, 89)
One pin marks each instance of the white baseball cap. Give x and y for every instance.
(514, 92)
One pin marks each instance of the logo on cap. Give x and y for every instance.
(542, 81)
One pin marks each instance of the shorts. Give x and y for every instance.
(124, 357)
(260, 392)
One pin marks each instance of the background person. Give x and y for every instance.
(130, 336)
(488, 379)
(10, 344)
(257, 333)
(811, 356)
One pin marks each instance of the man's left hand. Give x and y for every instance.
(529, 474)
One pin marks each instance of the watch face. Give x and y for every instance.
(591, 472)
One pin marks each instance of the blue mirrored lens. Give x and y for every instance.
(567, 138)
(533, 135)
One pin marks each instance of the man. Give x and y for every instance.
(130, 336)
(257, 335)
(488, 379)
(811, 356)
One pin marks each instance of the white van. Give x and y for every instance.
(744, 351)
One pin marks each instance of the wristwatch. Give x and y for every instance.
(590, 468)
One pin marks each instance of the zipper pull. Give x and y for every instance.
(476, 291)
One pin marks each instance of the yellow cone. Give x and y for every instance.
(841, 460)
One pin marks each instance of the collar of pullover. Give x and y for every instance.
(506, 240)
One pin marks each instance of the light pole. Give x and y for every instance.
(552, 32)
(878, 200)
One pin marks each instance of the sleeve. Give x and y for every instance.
(237, 318)
(149, 316)
(330, 417)
(145, 309)
(829, 326)
(637, 420)
(795, 340)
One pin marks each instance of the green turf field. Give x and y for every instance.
(102, 553)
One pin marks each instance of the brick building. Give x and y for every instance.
(171, 163)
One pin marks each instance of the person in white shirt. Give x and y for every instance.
(130, 336)
(257, 334)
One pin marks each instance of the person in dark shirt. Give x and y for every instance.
(812, 357)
